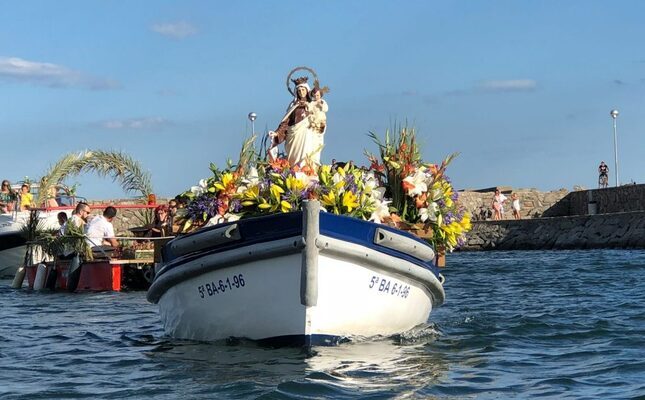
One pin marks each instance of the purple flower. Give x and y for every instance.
(236, 205)
(203, 204)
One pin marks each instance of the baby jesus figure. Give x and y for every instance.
(317, 109)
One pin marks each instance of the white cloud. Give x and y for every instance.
(136, 123)
(509, 85)
(176, 30)
(51, 75)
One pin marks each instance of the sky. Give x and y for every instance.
(521, 89)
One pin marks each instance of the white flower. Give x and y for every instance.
(337, 178)
(201, 188)
(429, 213)
(381, 211)
(307, 180)
(418, 183)
(369, 181)
(231, 217)
(252, 177)
(220, 219)
(378, 193)
(249, 180)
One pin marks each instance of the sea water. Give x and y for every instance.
(548, 324)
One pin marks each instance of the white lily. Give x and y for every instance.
(305, 179)
(429, 213)
(249, 180)
(369, 181)
(337, 178)
(201, 188)
(378, 193)
(252, 177)
(220, 219)
(381, 211)
(418, 183)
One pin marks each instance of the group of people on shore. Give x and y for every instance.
(498, 205)
(496, 210)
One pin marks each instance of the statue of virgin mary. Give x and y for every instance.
(303, 142)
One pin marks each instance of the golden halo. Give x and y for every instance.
(310, 70)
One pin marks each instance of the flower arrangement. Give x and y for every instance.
(397, 189)
(422, 195)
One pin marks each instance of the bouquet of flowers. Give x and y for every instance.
(398, 189)
(422, 195)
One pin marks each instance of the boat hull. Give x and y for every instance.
(12, 240)
(12, 253)
(314, 288)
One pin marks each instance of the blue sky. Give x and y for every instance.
(522, 89)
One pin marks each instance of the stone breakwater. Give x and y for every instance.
(619, 230)
(584, 219)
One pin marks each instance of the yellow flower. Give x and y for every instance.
(228, 180)
(276, 191)
(350, 201)
(294, 184)
(329, 199)
(285, 206)
(465, 223)
(251, 193)
(451, 233)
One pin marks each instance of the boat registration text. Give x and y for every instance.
(389, 286)
(221, 286)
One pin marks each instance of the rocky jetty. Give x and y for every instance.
(618, 230)
(585, 219)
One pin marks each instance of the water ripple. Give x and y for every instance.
(566, 324)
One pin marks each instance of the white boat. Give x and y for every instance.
(307, 277)
(12, 241)
(12, 246)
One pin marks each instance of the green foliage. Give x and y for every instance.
(117, 165)
(73, 241)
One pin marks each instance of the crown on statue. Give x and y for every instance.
(301, 80)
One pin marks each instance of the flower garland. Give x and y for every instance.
(397, 189)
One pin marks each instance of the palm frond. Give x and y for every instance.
(117, 165)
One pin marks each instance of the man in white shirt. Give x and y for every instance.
(99, 230)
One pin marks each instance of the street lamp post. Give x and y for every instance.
(614, 116)
(252, 117)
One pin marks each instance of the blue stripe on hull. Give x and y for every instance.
(303, 340)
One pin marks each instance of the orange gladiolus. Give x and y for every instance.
(407, 186)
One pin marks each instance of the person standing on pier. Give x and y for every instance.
(498, 205)
(516, 206)
(603, 175)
